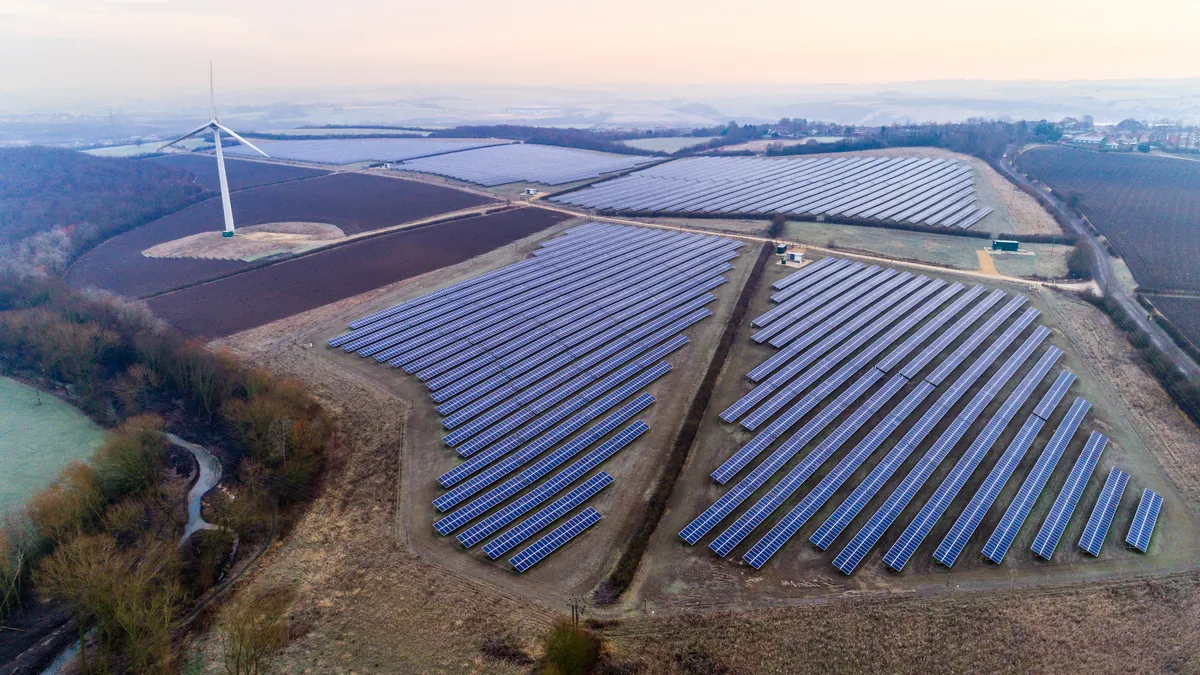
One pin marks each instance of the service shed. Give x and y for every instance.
(1005, 245)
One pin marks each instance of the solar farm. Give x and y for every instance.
(354, 150)
(523, 163)
(896, 343)
(910, 190)
(886, 421)
(542, 372)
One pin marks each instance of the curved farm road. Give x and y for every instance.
(210, 474)
(1104, 273)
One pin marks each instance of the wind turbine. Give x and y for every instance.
(215, 124)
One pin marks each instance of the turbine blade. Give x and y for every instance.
(205, 127)
(241, 140)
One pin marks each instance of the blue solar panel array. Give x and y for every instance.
(538, 550)
(851, 340)
(537, 366)
(896, 189)
(1064, 505)
(1018, 510)
(540, 520)
(968, 520)
(956, 479)
(1103, 512)
(1144, 520)
(866, 538)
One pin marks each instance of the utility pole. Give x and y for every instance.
(576, 612)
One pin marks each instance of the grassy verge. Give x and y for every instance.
(1185, 392)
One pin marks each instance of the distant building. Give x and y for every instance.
(1093, 140)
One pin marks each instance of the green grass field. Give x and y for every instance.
(36, 441)
(1048, 261)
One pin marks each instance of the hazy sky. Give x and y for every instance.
(144, 47)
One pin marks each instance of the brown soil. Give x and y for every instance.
(260, 296)
(249, 243)
(356, 203)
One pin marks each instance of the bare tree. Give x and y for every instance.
(254, 631)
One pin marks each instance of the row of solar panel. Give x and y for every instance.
(743, 457)
(811, 277)
(912, 190)
(524, 163)
(534, 365)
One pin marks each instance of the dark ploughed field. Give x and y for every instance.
(267, 294)
(1184, 312)
(355, 202)
(240, 174)
(1149, 207)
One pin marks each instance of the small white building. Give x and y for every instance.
(1092, 139)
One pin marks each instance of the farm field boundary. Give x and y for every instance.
(356, 203)
(1146, 206)
(269, 293)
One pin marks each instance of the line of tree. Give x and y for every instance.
(986, 139)
(102, 539)
(1185, 392)
(604, 141)
(57, 203)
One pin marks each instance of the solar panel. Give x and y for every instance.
(810, 310)
(540, 468)
(1064, 505)
(866, 538)
(757, 478)
(1014, 517)
(828, 385)
(803, 273)
(544, 517)
(1144, 520)
(804, 358)
(960, 532)
(786, 528)
(878, 188)
(849, 509)
(734, 534)
(858, 336)
(935, 507)
(555, 484)
(1101, 519)
(952, 544)
(538, 550)
(545, 423)
(913, 367)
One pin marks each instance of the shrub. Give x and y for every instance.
(1079, 264)
(570, 650)
(70, 505)
(504, 647)
(254, 630)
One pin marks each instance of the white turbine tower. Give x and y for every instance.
(215, 124)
